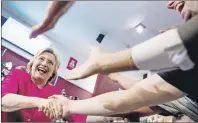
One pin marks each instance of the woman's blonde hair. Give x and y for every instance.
(49, 50)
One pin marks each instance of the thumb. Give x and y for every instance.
(41, 108)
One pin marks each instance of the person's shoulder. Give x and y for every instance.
(17, 75)
(21, 68)
(19, 72)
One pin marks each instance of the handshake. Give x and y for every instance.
(55, 107)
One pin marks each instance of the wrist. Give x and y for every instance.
(36, 101)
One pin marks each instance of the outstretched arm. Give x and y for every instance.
(149, 92)
(55, 11)
(153, 54)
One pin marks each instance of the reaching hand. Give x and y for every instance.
(51, 107)
(177, 5)
(89, 68)
(187, 9)
(55, 11)
(46, 25)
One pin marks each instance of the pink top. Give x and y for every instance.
(19, 82)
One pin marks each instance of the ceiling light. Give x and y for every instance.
(140, 28)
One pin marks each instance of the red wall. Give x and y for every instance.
(104, 84)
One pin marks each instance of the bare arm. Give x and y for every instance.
(103, 63)
(149, 92)
(15, 102)
(153, 54)
(115, 62)
(55, 11)
(58, 8)
(125, 82)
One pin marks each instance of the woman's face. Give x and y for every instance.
(43, 68)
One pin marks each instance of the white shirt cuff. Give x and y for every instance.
(161, 52)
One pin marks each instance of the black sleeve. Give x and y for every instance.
(186, 81)
(188, 33)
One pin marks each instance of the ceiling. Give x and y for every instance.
(86, 19)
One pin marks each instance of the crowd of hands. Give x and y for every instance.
(57, 106)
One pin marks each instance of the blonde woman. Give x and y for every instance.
(25, 92)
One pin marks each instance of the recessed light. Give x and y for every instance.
(140, 28)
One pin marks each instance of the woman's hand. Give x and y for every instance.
(51, 107)
(64, 101)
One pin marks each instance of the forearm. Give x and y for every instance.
(148, 93)
(115, 62)
(58, 8)
(153, 54)
(94, 106)
(14, 102)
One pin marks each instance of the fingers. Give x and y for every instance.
(57, 109)
(52, 110)
(177, 5)
(186, 14)
(49, 108)
(170, 4)
(46, 25)
(36, 30)
(49, 111)
(50, 97)
(55, 97)
(59, 106)
(60, 110)
(39, 29)
(72, 76)
(41, 108)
